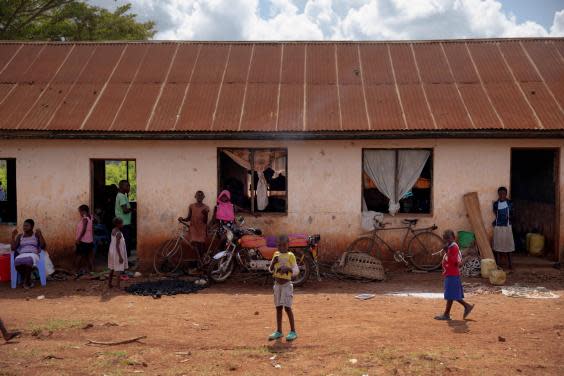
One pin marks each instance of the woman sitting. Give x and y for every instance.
(27, 247)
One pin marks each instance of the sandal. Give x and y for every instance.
(442, 318)
(291, 336)
(467, 310)
(274, 336)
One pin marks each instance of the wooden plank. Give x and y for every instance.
(475, 216)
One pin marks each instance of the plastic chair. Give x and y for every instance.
(16, 277)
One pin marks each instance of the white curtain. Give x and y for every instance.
(381, 166)
(261, 162)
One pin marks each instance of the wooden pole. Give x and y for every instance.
(475, 216)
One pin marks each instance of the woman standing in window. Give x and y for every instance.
(503, 234)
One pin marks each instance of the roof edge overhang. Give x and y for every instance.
(321, 135)
(363, 41)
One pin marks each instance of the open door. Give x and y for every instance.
(106, 175)
(535, 195)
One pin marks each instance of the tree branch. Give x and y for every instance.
(52, 4)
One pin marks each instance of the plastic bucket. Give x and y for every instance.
(4, 268)
(466, 239)
(497, 277)
(535, 244)
(487, 266)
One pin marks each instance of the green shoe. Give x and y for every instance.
(274, 336)
(291, 336)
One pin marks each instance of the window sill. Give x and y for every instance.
(408, 215)
(263, 214)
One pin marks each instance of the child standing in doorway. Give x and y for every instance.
(84, 241)
(117, 254)
(503, 242)
(283, 267)
(197, 217)
(451, 271)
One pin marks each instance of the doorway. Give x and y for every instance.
(106, 175)
(535, 195)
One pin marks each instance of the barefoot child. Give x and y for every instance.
(84, 241)
(283, 267)
(117, 254)
(198, 219)
(6, 334)
(451, 271)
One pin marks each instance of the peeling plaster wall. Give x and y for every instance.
(324, 184)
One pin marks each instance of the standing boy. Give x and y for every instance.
(451, 272)
(283, 267)
(123, 211)
(197, 217)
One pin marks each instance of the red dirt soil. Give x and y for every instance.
(223, 329)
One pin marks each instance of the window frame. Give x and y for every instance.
(252, 150)
(431, 189)
(11, 190)
(127, 160)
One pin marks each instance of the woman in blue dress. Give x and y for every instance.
(503, 242)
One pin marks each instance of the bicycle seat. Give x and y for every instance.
(410, 221)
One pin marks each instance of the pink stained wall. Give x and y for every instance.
(324, 184)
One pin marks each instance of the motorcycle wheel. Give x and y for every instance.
(215, 274)
(305, 264)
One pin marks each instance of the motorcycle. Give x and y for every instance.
(247, 249)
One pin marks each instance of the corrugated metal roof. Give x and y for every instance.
(514, 84)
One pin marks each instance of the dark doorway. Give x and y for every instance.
(534, 191)
(106, 175)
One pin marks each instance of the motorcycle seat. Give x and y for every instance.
(268, 252)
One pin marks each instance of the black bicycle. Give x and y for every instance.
(421, 247)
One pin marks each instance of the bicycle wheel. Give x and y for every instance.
(423, 251)
(168, 258)
(366, 244)
(304, 263)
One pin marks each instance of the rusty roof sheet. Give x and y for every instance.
(513, 84)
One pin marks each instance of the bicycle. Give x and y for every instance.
(424, 250)
(170, 255)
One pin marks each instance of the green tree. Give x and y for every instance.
(72, 20)
(118, 170)
(4, 175)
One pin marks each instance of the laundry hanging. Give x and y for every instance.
(260, 162)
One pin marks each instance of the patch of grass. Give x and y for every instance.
(54, 325)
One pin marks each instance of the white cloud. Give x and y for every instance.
(334, 19)
(557, 28)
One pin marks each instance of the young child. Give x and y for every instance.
(117, 254)
(224, 211)
(451, 271)
(503, 242)
(84, 241)
(6, 334)
(198, 219)
(283, 267)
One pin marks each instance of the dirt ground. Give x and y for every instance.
(222, 330)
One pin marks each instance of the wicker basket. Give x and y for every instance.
(361, 265)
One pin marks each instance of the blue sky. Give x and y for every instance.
(348, 19)
(541, 11)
